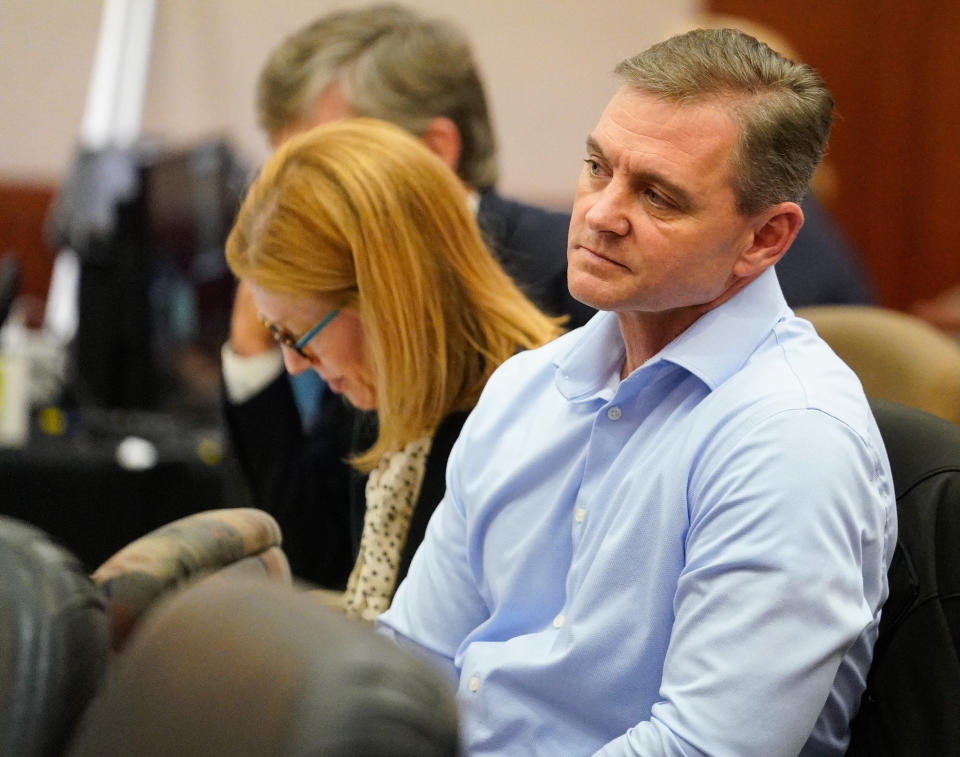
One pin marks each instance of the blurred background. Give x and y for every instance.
(890, 182)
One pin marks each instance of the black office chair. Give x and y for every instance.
(177, 645)
(54, 641)
(911, 706)
(58, 625)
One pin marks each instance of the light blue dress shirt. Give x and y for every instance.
(689, 561)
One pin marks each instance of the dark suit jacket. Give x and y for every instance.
(821, 267)
(531, 245)
(301, 478)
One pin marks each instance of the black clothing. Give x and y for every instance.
(531, 245)
(821, 268)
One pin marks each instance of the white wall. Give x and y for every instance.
(546, 63)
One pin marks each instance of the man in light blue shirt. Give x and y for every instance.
(667, 532)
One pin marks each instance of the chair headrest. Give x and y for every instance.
(239, 667)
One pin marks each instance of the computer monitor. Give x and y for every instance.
(154, 299)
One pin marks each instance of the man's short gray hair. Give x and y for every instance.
(391, 64)
(783, 109)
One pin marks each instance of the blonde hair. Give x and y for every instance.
(364, 214)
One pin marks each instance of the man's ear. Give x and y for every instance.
(443, 138)
(773, 232)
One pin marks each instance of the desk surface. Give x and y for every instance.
(74, 488)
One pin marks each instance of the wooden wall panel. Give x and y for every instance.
(23, 210)
(891, 67)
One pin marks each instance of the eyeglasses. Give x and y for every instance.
(297, 345)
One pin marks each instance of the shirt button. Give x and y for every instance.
(579, 514)
(558, 621)
(474, 683)
(614, 413)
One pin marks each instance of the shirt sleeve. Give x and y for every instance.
(785, 562)
(246, 376)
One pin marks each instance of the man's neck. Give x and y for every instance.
(646, 333)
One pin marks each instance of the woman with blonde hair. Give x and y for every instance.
(366, 264)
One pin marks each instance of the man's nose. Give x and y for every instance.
(609, 211)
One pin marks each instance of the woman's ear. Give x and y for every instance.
(443, 138)
(774, 231)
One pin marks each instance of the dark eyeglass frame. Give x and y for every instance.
(297, 345)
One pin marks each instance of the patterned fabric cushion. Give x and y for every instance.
(238, 541)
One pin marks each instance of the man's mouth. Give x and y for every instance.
(594, 255)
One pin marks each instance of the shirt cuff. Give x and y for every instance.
(246, 376)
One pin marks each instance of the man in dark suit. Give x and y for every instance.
(386, 62)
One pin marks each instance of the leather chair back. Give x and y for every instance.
(54, 641)
(911, 707)
(255, 669)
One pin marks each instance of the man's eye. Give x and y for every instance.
(655, 198)
(592, 166)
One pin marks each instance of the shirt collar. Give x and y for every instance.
(713, 348)
(594, 359)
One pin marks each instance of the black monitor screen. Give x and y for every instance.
(155, 310)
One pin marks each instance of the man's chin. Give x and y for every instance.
(586, 289)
